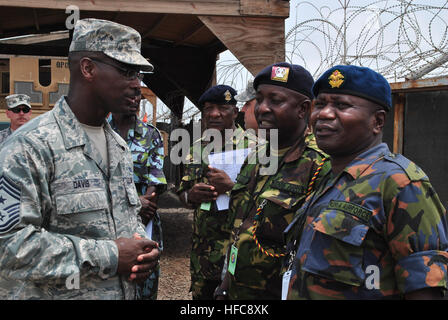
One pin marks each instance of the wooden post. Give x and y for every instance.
(399, 106)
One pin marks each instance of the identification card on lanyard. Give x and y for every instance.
(232, 259)
(285, 284)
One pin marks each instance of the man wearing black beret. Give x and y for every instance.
(263, 201)
(202, 184)
(376, 228)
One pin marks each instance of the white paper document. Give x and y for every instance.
(149, 229)
(230, 162)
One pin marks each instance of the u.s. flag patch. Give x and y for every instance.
(9, 205)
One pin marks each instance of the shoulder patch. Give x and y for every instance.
(414, 172)
(9, 204)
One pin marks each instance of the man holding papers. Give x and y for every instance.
(203, 183)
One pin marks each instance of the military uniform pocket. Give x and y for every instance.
(81, 202)
(83, 213)
(333, 246)
(131, 192)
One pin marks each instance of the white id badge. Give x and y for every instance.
(285, 284)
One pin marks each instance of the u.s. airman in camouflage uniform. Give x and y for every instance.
(19, 112)
(210, 231)
(375, 229)
(69, 225)
(262, 205)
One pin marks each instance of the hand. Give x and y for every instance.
(220, 180)
(149, 207)
(202, 192)
(137, 257)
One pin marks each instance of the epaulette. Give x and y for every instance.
(414, 172)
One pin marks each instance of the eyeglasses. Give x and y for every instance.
(129, 74)
(18, 109)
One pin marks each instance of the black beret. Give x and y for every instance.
(220, 94)
(291, 76)
(356, 81)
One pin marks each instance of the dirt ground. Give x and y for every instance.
(174, 282)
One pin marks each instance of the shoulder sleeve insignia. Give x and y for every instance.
(336, 79)
(9, 205)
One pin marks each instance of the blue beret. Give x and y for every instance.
(220, 94)
(283, 74)
(356, 81)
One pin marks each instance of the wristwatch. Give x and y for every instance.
(219, 292)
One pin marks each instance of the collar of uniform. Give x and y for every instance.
(69, 125)
(139, 126)
(362, 164)
(114, 135)
(296, 151)
(237, 136)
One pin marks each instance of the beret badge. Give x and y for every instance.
(227, 96)
(279, 73)
(336, 79)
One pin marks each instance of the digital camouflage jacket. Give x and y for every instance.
(61, 208)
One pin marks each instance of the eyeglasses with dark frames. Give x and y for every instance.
(18, 109)
(129, 74)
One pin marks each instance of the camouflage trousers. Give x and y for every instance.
(203, 289)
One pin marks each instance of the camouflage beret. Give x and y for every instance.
(220, 94)
(15, 100)
(290, 76)
(356, 81)
(248, 94)
(115, 40)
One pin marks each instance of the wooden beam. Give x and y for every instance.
(428, 84)
(36, 20)
(399, 106)
(37, 38)
(267, 8)
(154, 26)
(189, 35)
(276, 8)
(255, 42)
(197, 7)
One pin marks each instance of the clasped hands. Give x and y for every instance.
(137, 257)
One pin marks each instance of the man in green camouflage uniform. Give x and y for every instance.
(200, 187)
(69, 224)
(375, 228)
(263, 202)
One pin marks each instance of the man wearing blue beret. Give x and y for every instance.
(201, 186)
(376, 228)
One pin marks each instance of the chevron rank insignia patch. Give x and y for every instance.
(9, 205)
